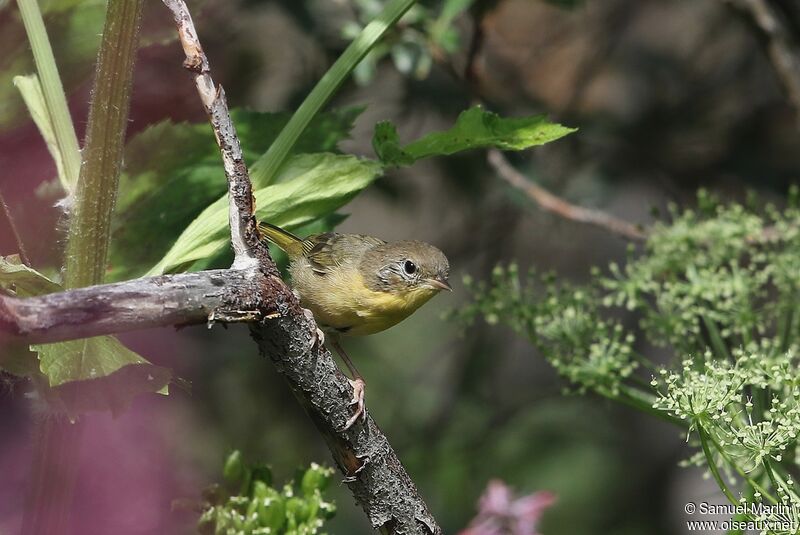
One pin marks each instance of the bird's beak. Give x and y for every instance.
(439, 284)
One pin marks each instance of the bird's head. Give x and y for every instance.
(414, 269)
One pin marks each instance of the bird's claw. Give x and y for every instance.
(359, 387)
(318, 338)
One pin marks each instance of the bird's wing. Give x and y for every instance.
(329, 250)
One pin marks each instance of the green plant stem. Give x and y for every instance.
(53, 90)
(49, 503)
(770, 474)
(643, 402)
(265, 169)
(716, 341)
(753, 483)
(712, 465)
(742, 516)
(90, 225)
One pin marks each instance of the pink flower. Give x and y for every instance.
(500, 514)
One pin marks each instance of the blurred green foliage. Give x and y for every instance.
(248, 505)
(413, 43)
(718, 285)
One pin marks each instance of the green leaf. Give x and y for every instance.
(442, 27)
(98, 374)
(23, 281)
(309, 186)
(93, 373)
(174, 172)
(52, 97)
(89, 358)
(74, 28)
(17, 359)
(264, 171)
(234, 468)
(474, 128)
(31, 91)
(386, 143)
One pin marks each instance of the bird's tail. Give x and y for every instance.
(291, 244)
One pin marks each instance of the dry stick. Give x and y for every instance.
(558, 206)
(15, 231)
(372, 470)
(783, 48)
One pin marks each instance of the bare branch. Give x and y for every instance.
(372, 470)
(247, 247)
(558, 206)
(183, 299)
(782, 46)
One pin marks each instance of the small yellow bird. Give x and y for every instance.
(358, 285)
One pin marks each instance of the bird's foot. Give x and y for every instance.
(318, 338)
(359, 387)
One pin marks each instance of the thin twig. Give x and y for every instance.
(507, 172)
(558, 206)
(782, 46)
(14, 230)
(244, 235)
(372, 470)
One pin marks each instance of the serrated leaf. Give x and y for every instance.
(98, 373)
(112, 392)
(89, 358)
(174, 172)
(93, 373)
(474, 128)
(23, 281)
(309, 186)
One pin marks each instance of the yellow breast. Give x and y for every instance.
(342, 301)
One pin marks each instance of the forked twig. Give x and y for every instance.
(372, 470)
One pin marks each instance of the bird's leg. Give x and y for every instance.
(357, 382)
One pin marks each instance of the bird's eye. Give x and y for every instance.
(409, 267)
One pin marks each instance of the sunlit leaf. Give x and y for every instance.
(89, 358)
(474, 128)
(174, 172)
(31, 91)
(309, 186)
